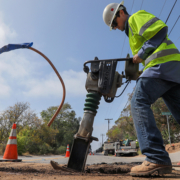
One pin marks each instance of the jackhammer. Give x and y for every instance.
(102, 80)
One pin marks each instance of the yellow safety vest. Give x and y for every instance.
(142, 27)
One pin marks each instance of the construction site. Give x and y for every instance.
(53, 108)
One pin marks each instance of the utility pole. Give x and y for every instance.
(102, 138)
(168, 114)
(108, 122)
(168, 129)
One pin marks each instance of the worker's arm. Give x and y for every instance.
(150, 46)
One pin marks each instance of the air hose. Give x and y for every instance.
(10, 47)
(61, 80)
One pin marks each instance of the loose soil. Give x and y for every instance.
(174, 147)
(34, 171)
(102, 171)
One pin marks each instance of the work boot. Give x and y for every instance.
(147, 168)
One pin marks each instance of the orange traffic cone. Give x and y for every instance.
(67, 151)
(93, 153)
(11, 153)
(90, 153)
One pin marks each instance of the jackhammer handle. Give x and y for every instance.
(119, 59)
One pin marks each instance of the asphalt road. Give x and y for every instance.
(91, 159)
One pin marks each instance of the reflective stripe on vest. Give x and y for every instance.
(130, 29)
(147, 25)
(162, 53)
(168, 42)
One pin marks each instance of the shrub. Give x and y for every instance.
(61, 150)
(45, 149)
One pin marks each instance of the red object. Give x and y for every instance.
(90, 153)
(112, 9)
(178, 163)
(67, 151)
(11, 147)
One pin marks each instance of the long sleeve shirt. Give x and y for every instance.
(169, 71)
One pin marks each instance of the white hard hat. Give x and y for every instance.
(110, 12)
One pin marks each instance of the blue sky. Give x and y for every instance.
(69, 33)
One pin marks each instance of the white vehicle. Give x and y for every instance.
(109, 148)
(125, 147)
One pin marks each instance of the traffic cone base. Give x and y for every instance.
(11, 152)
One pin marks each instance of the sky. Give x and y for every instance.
(69, 33)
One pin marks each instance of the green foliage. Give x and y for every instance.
(61, 150)
(161, 121)
(33, 134)
(65, 123)
(21, 114)
(45, 149)
(21, 144)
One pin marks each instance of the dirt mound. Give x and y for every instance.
(111, 168)
(174, 147)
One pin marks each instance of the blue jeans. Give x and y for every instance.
(147, 91)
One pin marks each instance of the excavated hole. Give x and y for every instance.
(112, 168)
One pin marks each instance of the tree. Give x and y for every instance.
(65, 123)
(21, 114)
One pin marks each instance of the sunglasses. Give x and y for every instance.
(114, 23)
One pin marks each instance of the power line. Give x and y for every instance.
(141, 4)
(162, 8)
(132, 6)
(177, 39)
(125, 34)
(174, 25)
(170, 12)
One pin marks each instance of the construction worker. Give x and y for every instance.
(150, 46)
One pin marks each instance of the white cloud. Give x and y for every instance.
(6, 33)
(16, 68)
(72, 60)
(51, 86)
(5, 89)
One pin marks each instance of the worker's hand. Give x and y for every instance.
(137, 59)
